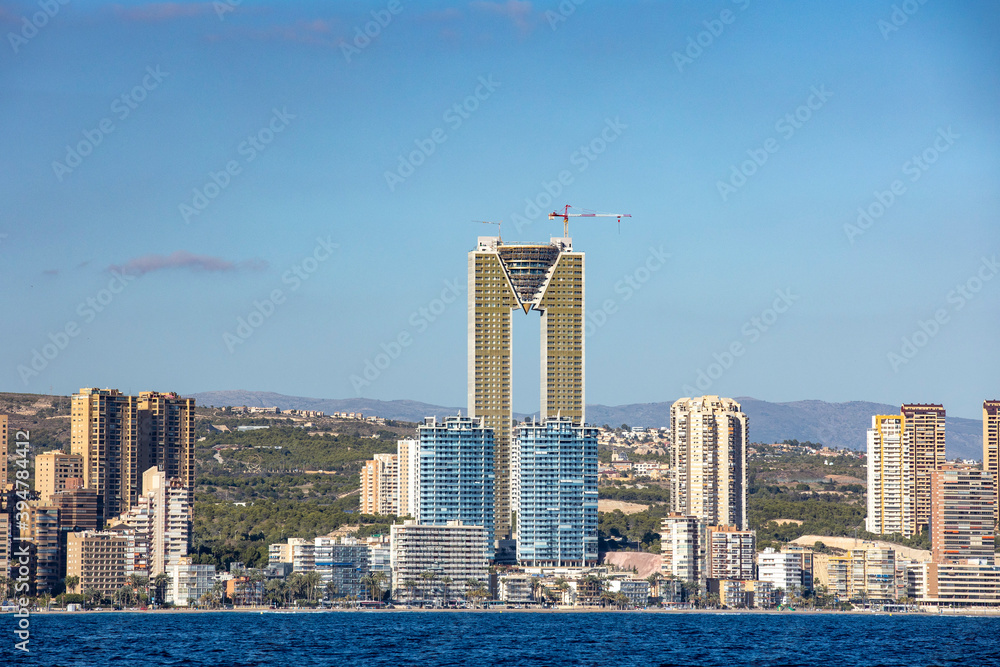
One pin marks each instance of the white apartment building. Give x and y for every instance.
(681, 547)
(783, 570)
(890, 478)
(453, 551)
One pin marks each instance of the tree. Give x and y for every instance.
(72, 582)
(160, 582)
(312, 581)
(445, 587)
(330, 591)
(93, 596)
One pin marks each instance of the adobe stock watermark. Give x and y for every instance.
(59, 340)
(956, 299)
(786, 126)
(248, 149)
(706, 38)
(627, 287)
(566, 8)
(541, 204)
(752, 330)
(913, 168)
(21, 558)
(31, 25)
(121, 107)
(454, 116)
(899, 16)
(363, 35)
(420, 319)
(264, 308)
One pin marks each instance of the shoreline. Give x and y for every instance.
(560, 610)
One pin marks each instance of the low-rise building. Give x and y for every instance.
(452, 551)
(98, 559)
(516, 588)
(784, 570)
(969, 584)
(635, 590)
(189, 581)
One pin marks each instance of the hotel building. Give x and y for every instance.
(454, 551)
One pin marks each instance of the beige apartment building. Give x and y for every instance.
(379, 492)
(57, 471)
(991, 443)
(99, 559)
(503, 278)
(709, 460)
(924, 437)
(120, 437)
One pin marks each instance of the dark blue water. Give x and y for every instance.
(487, 639)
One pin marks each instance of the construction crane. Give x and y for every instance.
(566, 215)
(490, 222)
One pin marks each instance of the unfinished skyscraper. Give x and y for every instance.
(548, 278)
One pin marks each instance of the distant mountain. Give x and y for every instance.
(833, 424)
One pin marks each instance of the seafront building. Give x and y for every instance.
(782, 570)
(99, 559)
(504, 277)
(342, 563)
(866, 574)
(682, 542)
(556, 506)
(454, 552)
(188, 582)
(730, 553)
(456, 472)
(963, 515)
(709, 437)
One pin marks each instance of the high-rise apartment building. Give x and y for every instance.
(890, 478)
(709, 440)
(167, 428)
(556, 510)
(408, 484)
(923, 435)
(342, 562)
(991, 443)
(171, 519)
(963, 515)
(43, 528)
(548, 278)
(730, 553)
(682, 547)
(456, 472)
(379, 478)
(120, 437)
(57, 471)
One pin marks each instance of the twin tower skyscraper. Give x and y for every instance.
(548, 279)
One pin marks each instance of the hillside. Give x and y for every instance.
(833, 424)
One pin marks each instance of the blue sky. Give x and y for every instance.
(271, 159)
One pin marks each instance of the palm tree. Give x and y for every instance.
(654, 584)
(160, 582)
(312, 581)
(72, 582)
(274, 591)
(536, 587)
(445, 584)
(330, 591)
(428, 576)
(93, 596)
